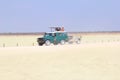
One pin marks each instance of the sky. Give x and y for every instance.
(74, 15)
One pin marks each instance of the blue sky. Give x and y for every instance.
(74, 15)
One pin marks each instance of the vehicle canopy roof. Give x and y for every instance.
(57, 32)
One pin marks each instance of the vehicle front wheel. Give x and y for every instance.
(62, 42)
(47, 43)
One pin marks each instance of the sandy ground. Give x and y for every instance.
(67, 62)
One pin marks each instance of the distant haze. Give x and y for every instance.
(74, 15)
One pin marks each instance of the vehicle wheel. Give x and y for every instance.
(62, 42)
(47, 43)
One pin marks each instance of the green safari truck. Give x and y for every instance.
(53, 37)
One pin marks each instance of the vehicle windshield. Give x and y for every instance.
(49, 34)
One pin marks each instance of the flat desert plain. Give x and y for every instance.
(95, 61)
(67, 62)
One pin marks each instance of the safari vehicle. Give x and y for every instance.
(59, 36)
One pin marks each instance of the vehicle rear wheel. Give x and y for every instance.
(62, 42)
(47, 43)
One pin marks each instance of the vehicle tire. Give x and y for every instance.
(47, 43)
(62, 42)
